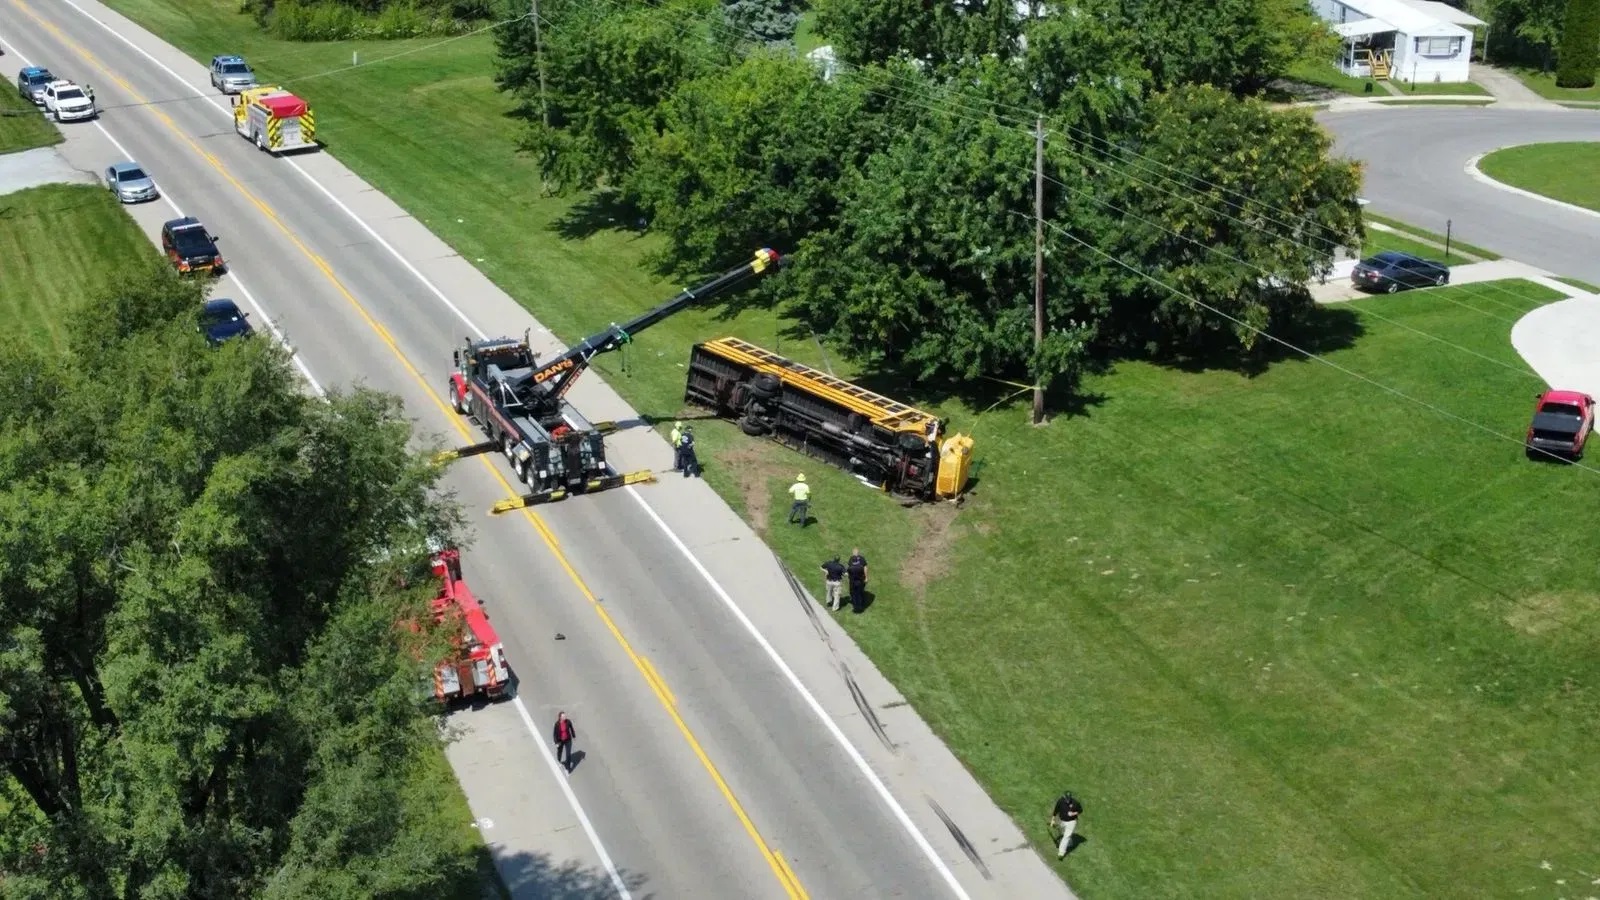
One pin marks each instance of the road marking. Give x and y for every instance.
(779, 867)
(1477, 174)
(833, 728)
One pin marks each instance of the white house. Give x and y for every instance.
(1419, 41)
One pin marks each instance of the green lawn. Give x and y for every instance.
(1452, 88)
(1433, 236)
(1580, 285)
(1561, 171)
(21, 125)
(1403, 101)
(1327, 75)
(1379, 241)
(1289, 636)
(81, 223)
(1544, 84)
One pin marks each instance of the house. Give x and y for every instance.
(1418, 41)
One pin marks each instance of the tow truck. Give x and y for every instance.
(520, 402)
(477, 664)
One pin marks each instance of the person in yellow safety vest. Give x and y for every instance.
(676, 438)
(801, 492)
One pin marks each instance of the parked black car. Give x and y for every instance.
(222, 319)
(1392, 270)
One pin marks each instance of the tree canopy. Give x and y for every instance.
(903, 186)
(204, 691)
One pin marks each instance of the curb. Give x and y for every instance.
(1472, 170)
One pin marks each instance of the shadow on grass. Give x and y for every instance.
(596, 212)
(1325, 329)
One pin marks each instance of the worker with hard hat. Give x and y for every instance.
(676, 438)
(801, 492)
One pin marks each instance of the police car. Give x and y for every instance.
(67, 102)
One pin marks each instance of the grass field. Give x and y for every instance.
(1580, 285)
(1328, 76)
(1561, 171)
(1288, 635)
(1379, 240)
(1456, 88)
(1410, 230)
(21, 125)
(80, 223)
(85, 225)
(1403, 101)
(1544, 84)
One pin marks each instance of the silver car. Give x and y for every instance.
(131, 183)
(231, 74)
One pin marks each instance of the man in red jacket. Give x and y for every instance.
(563, 735)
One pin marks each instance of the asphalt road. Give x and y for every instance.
(709, 770)
(1415, 164)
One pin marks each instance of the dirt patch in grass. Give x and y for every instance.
(753, 468)
(1550, 612)
(930, 556)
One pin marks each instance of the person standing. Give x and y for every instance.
(857, 567)
(564, 732)
(676, 438)
(688, 460)
(833, 578)
(800, 510)
(1065, 817)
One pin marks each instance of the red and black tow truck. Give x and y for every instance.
(520, 402)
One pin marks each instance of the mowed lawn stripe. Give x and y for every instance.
(61, 244)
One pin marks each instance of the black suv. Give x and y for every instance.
(190, 247)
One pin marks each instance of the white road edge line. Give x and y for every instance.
(1477, 174)
(237, 281)
(527, 719)
(772, 653)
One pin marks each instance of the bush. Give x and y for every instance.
(1580, 45)
(343, 20)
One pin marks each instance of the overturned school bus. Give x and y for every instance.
(889, 445)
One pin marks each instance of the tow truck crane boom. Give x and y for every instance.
(544, 387)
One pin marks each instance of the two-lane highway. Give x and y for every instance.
(708, 772)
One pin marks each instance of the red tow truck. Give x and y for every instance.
(477, 664)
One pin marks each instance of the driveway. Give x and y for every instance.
(1416, 161)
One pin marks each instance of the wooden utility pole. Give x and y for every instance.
(538, 55)
(1038, 262)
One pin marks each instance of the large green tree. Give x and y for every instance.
(198, 598)
(1522, 29)
(1229, 201)
(1237, 45)
(936, 32)
(607, 72)
(1580, 45)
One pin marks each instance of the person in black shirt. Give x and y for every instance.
(857, 567)
(833, 575)
(1065, 817)
(691, 462)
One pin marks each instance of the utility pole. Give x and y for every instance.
(1038, 261)
(538, 55)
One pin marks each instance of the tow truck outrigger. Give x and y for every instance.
(520, 402)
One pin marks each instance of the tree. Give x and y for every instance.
(752, 155)
(929, 268)
(1535, 23)
(936, 32)
(607, 72)
(1580, 45)
(1227, 200)
(1236, 45)
(182, 531)
(770, 22)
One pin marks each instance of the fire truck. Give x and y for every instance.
(275, 120)
(477, 664)
(520, 402)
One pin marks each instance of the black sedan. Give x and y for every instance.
(1392, 270)
(221, 320)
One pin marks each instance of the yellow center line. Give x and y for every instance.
(779, 866)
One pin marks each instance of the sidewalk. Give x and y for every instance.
(1508, 90)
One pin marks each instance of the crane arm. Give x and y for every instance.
(555, 378)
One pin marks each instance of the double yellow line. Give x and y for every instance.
(780, 867)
